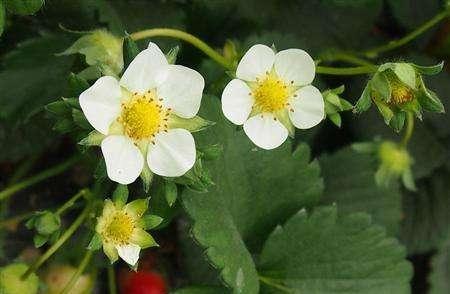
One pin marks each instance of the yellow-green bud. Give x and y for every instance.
(11, 282)
(394, 157)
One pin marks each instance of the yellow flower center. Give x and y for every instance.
(271, 93)
(120, 228)
(143, 116)
(401, 94)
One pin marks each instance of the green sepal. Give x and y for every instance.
(406, 74)
(385, 111)
(95, 243)
(94, 138)
(72, 102)
(138, 206)
(211, 152)
(283, 117)
(408, 180)
(398, 121)
(120, 195)
(365, 101)
(172, 55)
(193, 125)
(100, 172)
(170, 192)
(428, 99)
(149, 221)
(429, 70)
(381, 86)
(130, 51)
(336, 119)
(77, 85)
(144, 239)
(39, 240)
(146, 177)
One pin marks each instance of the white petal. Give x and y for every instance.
(256, 62)
(237, 101)
(182, 90)
(146, 71)
(173, 153)
(295, 65)
(265, 131)
(129, 253)
(124, 161)
(101, 103)
(308, 106)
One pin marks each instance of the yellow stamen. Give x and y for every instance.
(120, 228)
(401, 94)
(271, 93)
(142, 116)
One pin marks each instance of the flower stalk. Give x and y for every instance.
(45, 174)
(346, 71)
(193, 40)
(409, 129)
(81, 267)
(374, 52)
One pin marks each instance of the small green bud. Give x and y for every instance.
(395, 163)
(334, 104)
(101, 49)
(11, 282)
(47, 223)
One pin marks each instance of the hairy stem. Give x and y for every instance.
(48, 173)
(345, 57)
(193, 40)
(62, 239)
(357, 70)
(84, 262)
(69, 203)
(374, 52)
(409, 129)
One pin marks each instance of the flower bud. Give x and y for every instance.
(398, 89)
(101, 49)
(11, 282)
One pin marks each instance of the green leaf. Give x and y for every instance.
(324, 253)
(426, 221)
(254, 190)
(24, 7)
(349, 182)
(120, 195)
(76, 85)
(440, 275)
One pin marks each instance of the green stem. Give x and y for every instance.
(23, 169)
(84, 262)
(69, 203)
(274, 283)
(62, 239)
(48, 173)
(345, 57)
(409, 129)
(173, 33)
(374, 52)
(111, 280)
(357, 70)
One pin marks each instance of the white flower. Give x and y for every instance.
(122, 230)
(137, 115)
(272, 94)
